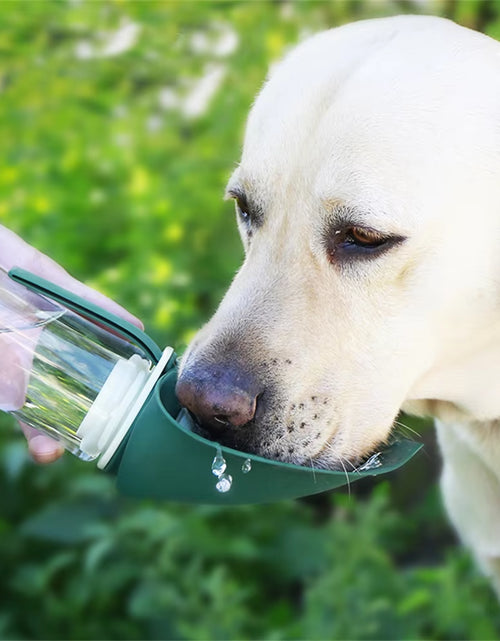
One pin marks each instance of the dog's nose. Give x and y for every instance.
(218, 396)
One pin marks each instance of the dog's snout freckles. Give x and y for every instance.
(247, 407)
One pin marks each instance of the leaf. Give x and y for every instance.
(68, 523)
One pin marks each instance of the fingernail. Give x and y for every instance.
(44, 450)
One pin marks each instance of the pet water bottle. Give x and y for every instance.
(65, 375)
(106, 391)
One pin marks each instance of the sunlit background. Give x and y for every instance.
(120, 123)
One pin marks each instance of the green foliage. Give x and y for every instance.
(87, 564)
(108, 167)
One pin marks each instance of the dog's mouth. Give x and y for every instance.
(304, 428)
(325, 458)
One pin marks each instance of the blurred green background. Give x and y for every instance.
(119, 124)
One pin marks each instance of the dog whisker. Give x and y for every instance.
(346, 476)
(312, 468)
(406, 428)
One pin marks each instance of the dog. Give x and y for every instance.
(368, 202)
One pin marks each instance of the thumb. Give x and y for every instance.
(42, 448)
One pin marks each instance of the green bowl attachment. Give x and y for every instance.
(163, 459)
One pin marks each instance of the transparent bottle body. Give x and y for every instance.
(53, 366)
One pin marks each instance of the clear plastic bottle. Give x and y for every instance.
(65, 375)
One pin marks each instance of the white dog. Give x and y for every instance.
(368, 200)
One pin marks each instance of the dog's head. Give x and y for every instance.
(366, 200)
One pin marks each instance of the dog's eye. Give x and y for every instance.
(357, 242)
(249, 213)
(362, 237)
(243, 211)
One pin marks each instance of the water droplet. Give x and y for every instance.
(185, 419)
(224, 483)
(373, 462)
(247, 466)
(219, 464)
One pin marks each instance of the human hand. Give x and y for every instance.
(15, 252)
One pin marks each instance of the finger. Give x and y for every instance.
(17, 253)
(42, 448)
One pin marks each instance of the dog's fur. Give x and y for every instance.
(389, 125)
